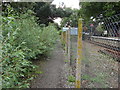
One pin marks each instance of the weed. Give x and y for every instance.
(66, 61)
(71, 78)
(39, 72)
(86, 77)
(98, 79)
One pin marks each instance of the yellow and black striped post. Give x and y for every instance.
(79, 54)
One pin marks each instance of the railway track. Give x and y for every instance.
(111, 45)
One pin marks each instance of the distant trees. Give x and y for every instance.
(96, 12)
(47, 13)
(98, 9)
(72, 20)
(44, 11)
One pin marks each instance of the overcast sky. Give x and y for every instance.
(68, 3)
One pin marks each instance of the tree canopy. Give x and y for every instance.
(47, 13)
(98, 9)
(44, 11)
(72, 20)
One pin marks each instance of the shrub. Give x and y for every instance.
(23, 40)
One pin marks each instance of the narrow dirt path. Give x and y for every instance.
(53, 70)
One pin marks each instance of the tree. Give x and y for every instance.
(47, 13)
(96, 9)
(97, 12)
(18, 7)
(44, 11)
(72, 19)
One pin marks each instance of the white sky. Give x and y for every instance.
(68, 3)
(58, 20)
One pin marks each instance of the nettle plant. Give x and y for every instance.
(23, 40)
(38, 40)
(15, 68)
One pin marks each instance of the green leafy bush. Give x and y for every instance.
(15, 68)
(38, 40)
(23, 40)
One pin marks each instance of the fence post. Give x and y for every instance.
(62, 37)
(69, 44)
(66, 42)
(79, 54)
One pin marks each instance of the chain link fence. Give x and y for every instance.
(105, 32)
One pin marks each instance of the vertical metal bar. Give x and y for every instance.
(62, 36)
(65, 42)
(1, 38)
(69, 45)
(79, 55)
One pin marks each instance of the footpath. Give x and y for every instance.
(52, 70)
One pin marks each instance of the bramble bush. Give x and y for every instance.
(23, 39)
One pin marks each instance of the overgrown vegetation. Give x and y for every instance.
(23, 40)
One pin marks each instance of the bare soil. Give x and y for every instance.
(53, 72)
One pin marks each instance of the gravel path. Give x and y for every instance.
(53, 70)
